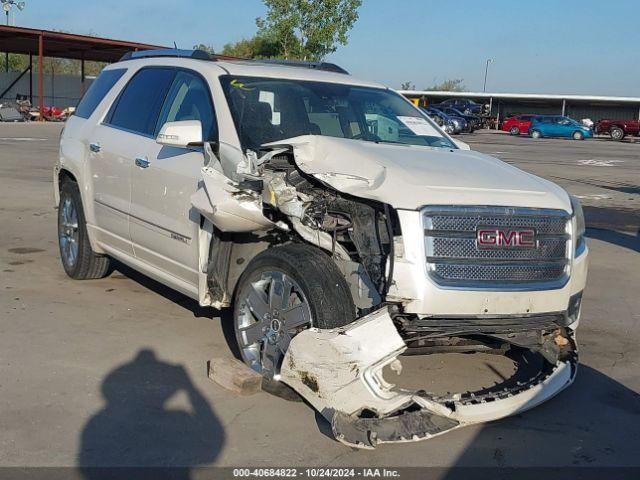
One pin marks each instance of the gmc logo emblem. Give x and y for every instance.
(498, 237)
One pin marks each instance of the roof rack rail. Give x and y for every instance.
(167, 52)
(202, 55)
(326, 66)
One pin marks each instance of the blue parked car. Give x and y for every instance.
(558, 126)
(465, 106)
(473, 121)
(456, 124)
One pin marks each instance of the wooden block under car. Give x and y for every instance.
(234, 375)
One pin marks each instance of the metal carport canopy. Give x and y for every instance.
(47, 43)
(519, 96)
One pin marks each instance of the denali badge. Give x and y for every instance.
(488, 237)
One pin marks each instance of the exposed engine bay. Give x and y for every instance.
(278, 196)
(256, 201)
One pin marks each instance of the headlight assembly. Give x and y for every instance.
(578, 218)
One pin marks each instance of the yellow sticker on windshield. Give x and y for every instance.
(237, 84)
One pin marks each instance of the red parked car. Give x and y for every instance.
(517, 124)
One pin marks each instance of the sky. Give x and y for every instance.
(540, 46)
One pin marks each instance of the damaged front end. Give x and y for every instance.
(297, 190)
(340, 373)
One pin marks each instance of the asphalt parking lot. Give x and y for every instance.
(78, 359)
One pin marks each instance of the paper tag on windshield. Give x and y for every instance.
(419, 126)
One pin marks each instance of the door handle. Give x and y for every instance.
(142, 162)
(94, 147)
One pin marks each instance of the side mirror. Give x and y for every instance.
(461, 145)
(184, 133)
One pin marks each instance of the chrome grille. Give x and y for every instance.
(455, 259)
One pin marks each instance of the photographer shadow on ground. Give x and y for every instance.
(138, 427)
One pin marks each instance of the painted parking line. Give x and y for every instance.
(592, 162)
(22, 139)
(594, 196)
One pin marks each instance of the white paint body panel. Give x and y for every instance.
(164, 229)
(410, 176)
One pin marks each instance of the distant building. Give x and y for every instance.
(506, 104)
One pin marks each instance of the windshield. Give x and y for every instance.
(268, 109)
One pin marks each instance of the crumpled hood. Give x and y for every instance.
(409, 177)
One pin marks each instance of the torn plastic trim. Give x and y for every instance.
(339, 372)
(228, 207)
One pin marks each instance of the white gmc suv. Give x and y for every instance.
(341, 225)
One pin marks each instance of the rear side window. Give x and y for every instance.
(97, 91)
(139, 104)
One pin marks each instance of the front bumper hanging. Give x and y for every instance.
(339, 372)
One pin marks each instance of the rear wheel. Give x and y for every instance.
(577, 135)
(514, 131)
(617, 134)
(536, 134)
(78, 259)
(283, 291)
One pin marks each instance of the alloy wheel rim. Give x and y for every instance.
(272, 310)
(68, 234)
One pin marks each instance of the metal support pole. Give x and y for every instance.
(564, 107)
(6, 54)
(82, 75)
(41, 75)
(490, 107)
(31, 78)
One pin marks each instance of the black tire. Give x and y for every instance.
(617, 133)
(323, 290)
(328, 293)
(514, 131)
(535, 134)
(86, 264)
(578, 135)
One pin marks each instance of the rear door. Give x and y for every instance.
(108, 176)
(126, 133)
(164, 226)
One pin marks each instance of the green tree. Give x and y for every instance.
(259, 46)
(17, 63)
(206, 48)
(407, 86)
(451, 85)
(308, 29)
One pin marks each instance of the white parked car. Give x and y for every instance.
(340, 224)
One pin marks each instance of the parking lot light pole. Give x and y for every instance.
(486, 71)
(6, 6)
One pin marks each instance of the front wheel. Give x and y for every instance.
(578, 135)
(514, 131)
(617, 134)
(536, 134)
(283, 291)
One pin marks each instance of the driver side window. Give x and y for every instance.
(189, 99)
